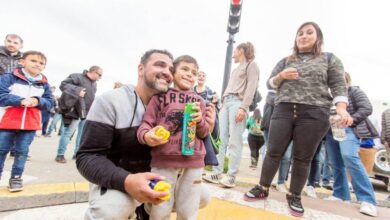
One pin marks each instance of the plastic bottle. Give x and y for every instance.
(162, 186)
(338, 130)
(189, 131)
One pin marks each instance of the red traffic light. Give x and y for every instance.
(234, 16)
(236, 2)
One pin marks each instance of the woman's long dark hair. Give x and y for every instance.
(257, 115)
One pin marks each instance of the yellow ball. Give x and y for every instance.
(163, 186)
(163, 133)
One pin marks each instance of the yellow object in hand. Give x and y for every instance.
(163, 133)
(163, 186)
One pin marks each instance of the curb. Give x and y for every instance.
(39, 195)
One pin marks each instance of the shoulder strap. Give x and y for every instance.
(246, 69)
(329, 56)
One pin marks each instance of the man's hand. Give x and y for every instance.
(240, 116)
(137, 186)
(82, 93)
(151, 139)
(210, 115)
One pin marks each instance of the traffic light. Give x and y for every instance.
(234, 16)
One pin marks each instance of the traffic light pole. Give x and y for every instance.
(228, 62)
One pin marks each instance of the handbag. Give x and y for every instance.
(216, 142)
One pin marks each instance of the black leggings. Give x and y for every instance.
(255, 143)
(305, 125)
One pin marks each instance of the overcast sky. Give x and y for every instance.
(114, 34)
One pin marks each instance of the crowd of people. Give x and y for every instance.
(118, 149)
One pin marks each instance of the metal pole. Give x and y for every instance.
(228, 62)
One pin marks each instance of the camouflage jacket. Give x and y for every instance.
(316, 76)
(8, 63)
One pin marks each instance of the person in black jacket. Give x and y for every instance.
(345, 154)
(10, 53)
(78, 93)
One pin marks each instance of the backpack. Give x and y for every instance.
(256, 97)
(256, 129)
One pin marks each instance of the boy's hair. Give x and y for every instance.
(147, 54)
(14, 36)
(34, 52)
(185, 59)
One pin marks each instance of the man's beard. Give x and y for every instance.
(155, 85)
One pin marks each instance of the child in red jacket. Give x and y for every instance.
(23, 94)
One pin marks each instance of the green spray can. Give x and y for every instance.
(189, 131)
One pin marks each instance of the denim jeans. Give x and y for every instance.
(22, 141)
(327, 173)
(66, 134)
(45, 121)
(231, 135)
(284, 166)
(305, 125)
(315, 168)
(345, 155)
(57, 117)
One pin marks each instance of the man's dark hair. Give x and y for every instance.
(147, 54)
(14, 36)
(94, 68)
(33, 52)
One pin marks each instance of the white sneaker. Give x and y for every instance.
(333, 198)
(228, 181)
(311, 192)
(281, 188)
(212, 178)
(368, 209)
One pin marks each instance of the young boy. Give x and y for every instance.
(23, 95)
(183, 172)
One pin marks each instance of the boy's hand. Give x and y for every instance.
(34, 101)
(25, 103)
(152, 139)
(197, 116)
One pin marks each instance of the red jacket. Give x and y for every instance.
(13, 89)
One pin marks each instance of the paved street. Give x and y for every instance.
(48, 182)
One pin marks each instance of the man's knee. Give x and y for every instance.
(110, 204)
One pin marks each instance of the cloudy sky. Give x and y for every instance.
(114, 34)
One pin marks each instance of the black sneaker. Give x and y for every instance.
(60, 159)
(295, 205)
(15, 184)
(256, 193)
